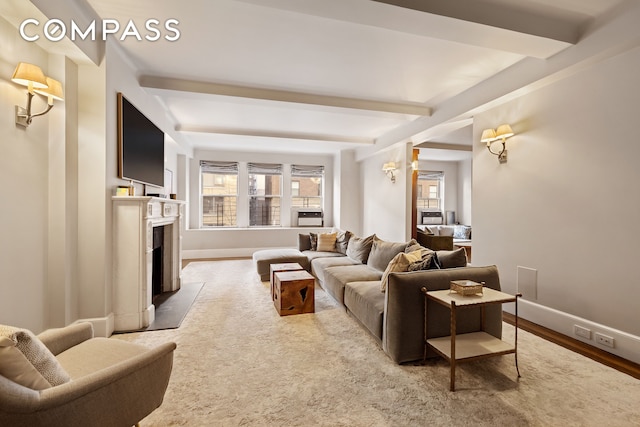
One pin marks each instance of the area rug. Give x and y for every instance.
(238, 363)
(172, 307)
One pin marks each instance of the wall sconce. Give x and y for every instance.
(33, 78)
(490, 136)
(390, 169)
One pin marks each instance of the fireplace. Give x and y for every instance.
(146, 257)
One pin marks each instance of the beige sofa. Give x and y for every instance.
(113, 383)
(395, 318)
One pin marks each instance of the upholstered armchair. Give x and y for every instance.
(112, 382)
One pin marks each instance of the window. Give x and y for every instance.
(307, 184)
(219, 193)
(430, 187)
(265, 191)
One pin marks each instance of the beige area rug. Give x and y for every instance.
(240, 364)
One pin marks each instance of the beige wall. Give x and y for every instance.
(544, 210)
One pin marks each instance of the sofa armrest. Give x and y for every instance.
(58, 340)
(126, 391)
(436, 243)
(404, 315)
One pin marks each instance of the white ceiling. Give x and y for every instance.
(326, 75)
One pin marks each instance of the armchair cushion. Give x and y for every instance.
(16, 367)
(37, 354)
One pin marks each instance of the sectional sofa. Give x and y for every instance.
(379, 283)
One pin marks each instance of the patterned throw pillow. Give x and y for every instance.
(37, 354)
(462, 232)
(313, 238)
(342, 240)
(400, 262)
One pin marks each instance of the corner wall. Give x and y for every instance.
(566, 203)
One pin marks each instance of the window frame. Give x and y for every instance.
(218, 169)
(265, 169)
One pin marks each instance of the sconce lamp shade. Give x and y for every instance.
(504, 131)
(29, 75)
(54, 91)
(488, 135)
(389, 166)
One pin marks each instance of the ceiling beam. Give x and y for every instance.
(510, 30)
(163, 83)
(444, 146)
(273, 134)
(498, 16)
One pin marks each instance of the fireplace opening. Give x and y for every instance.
(157, 270)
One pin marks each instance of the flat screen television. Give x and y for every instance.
(140, 146)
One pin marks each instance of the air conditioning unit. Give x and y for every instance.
(310, 217)
(430, 217)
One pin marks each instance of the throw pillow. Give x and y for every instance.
(313, 240)
(304, 242)
(342, 240)
(15, 367)
(327, 242)
(382, 253)
(452, 259)
(444, 230)
(428, 261)
(413, 245)
(37, 354)
(462, 232)
(400, 262)
(358, 248)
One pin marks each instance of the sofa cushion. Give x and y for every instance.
(358, 248)
(326, 242)
(304, 242)
(37, 354)
(400, 262)
(452, 259)
(16, 367)
(320, 264)
(342, 240)
(382, 253)
(445, 230)
(365, 301)
(335, 278)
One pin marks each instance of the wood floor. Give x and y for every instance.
(573, 344)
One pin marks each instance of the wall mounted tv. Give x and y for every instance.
(140, 146)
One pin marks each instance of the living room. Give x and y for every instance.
(543, 217)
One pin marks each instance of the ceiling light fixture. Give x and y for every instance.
(33, 78)
(501, 133)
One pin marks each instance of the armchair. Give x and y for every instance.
(113, 382)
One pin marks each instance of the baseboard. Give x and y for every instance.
(220, 253)
(558, 328)
(102, 326)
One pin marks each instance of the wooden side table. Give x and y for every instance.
(458, 348)
(286, 266)
(294, 292)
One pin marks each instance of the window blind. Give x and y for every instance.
(431, 175)
(307, 170)
(227, 168)
(264, 169)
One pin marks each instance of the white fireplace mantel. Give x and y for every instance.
(134, 218)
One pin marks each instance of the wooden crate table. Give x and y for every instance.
(294, 292)
(275, 268)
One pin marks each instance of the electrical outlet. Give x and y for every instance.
(605, 340)
(581, 331)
